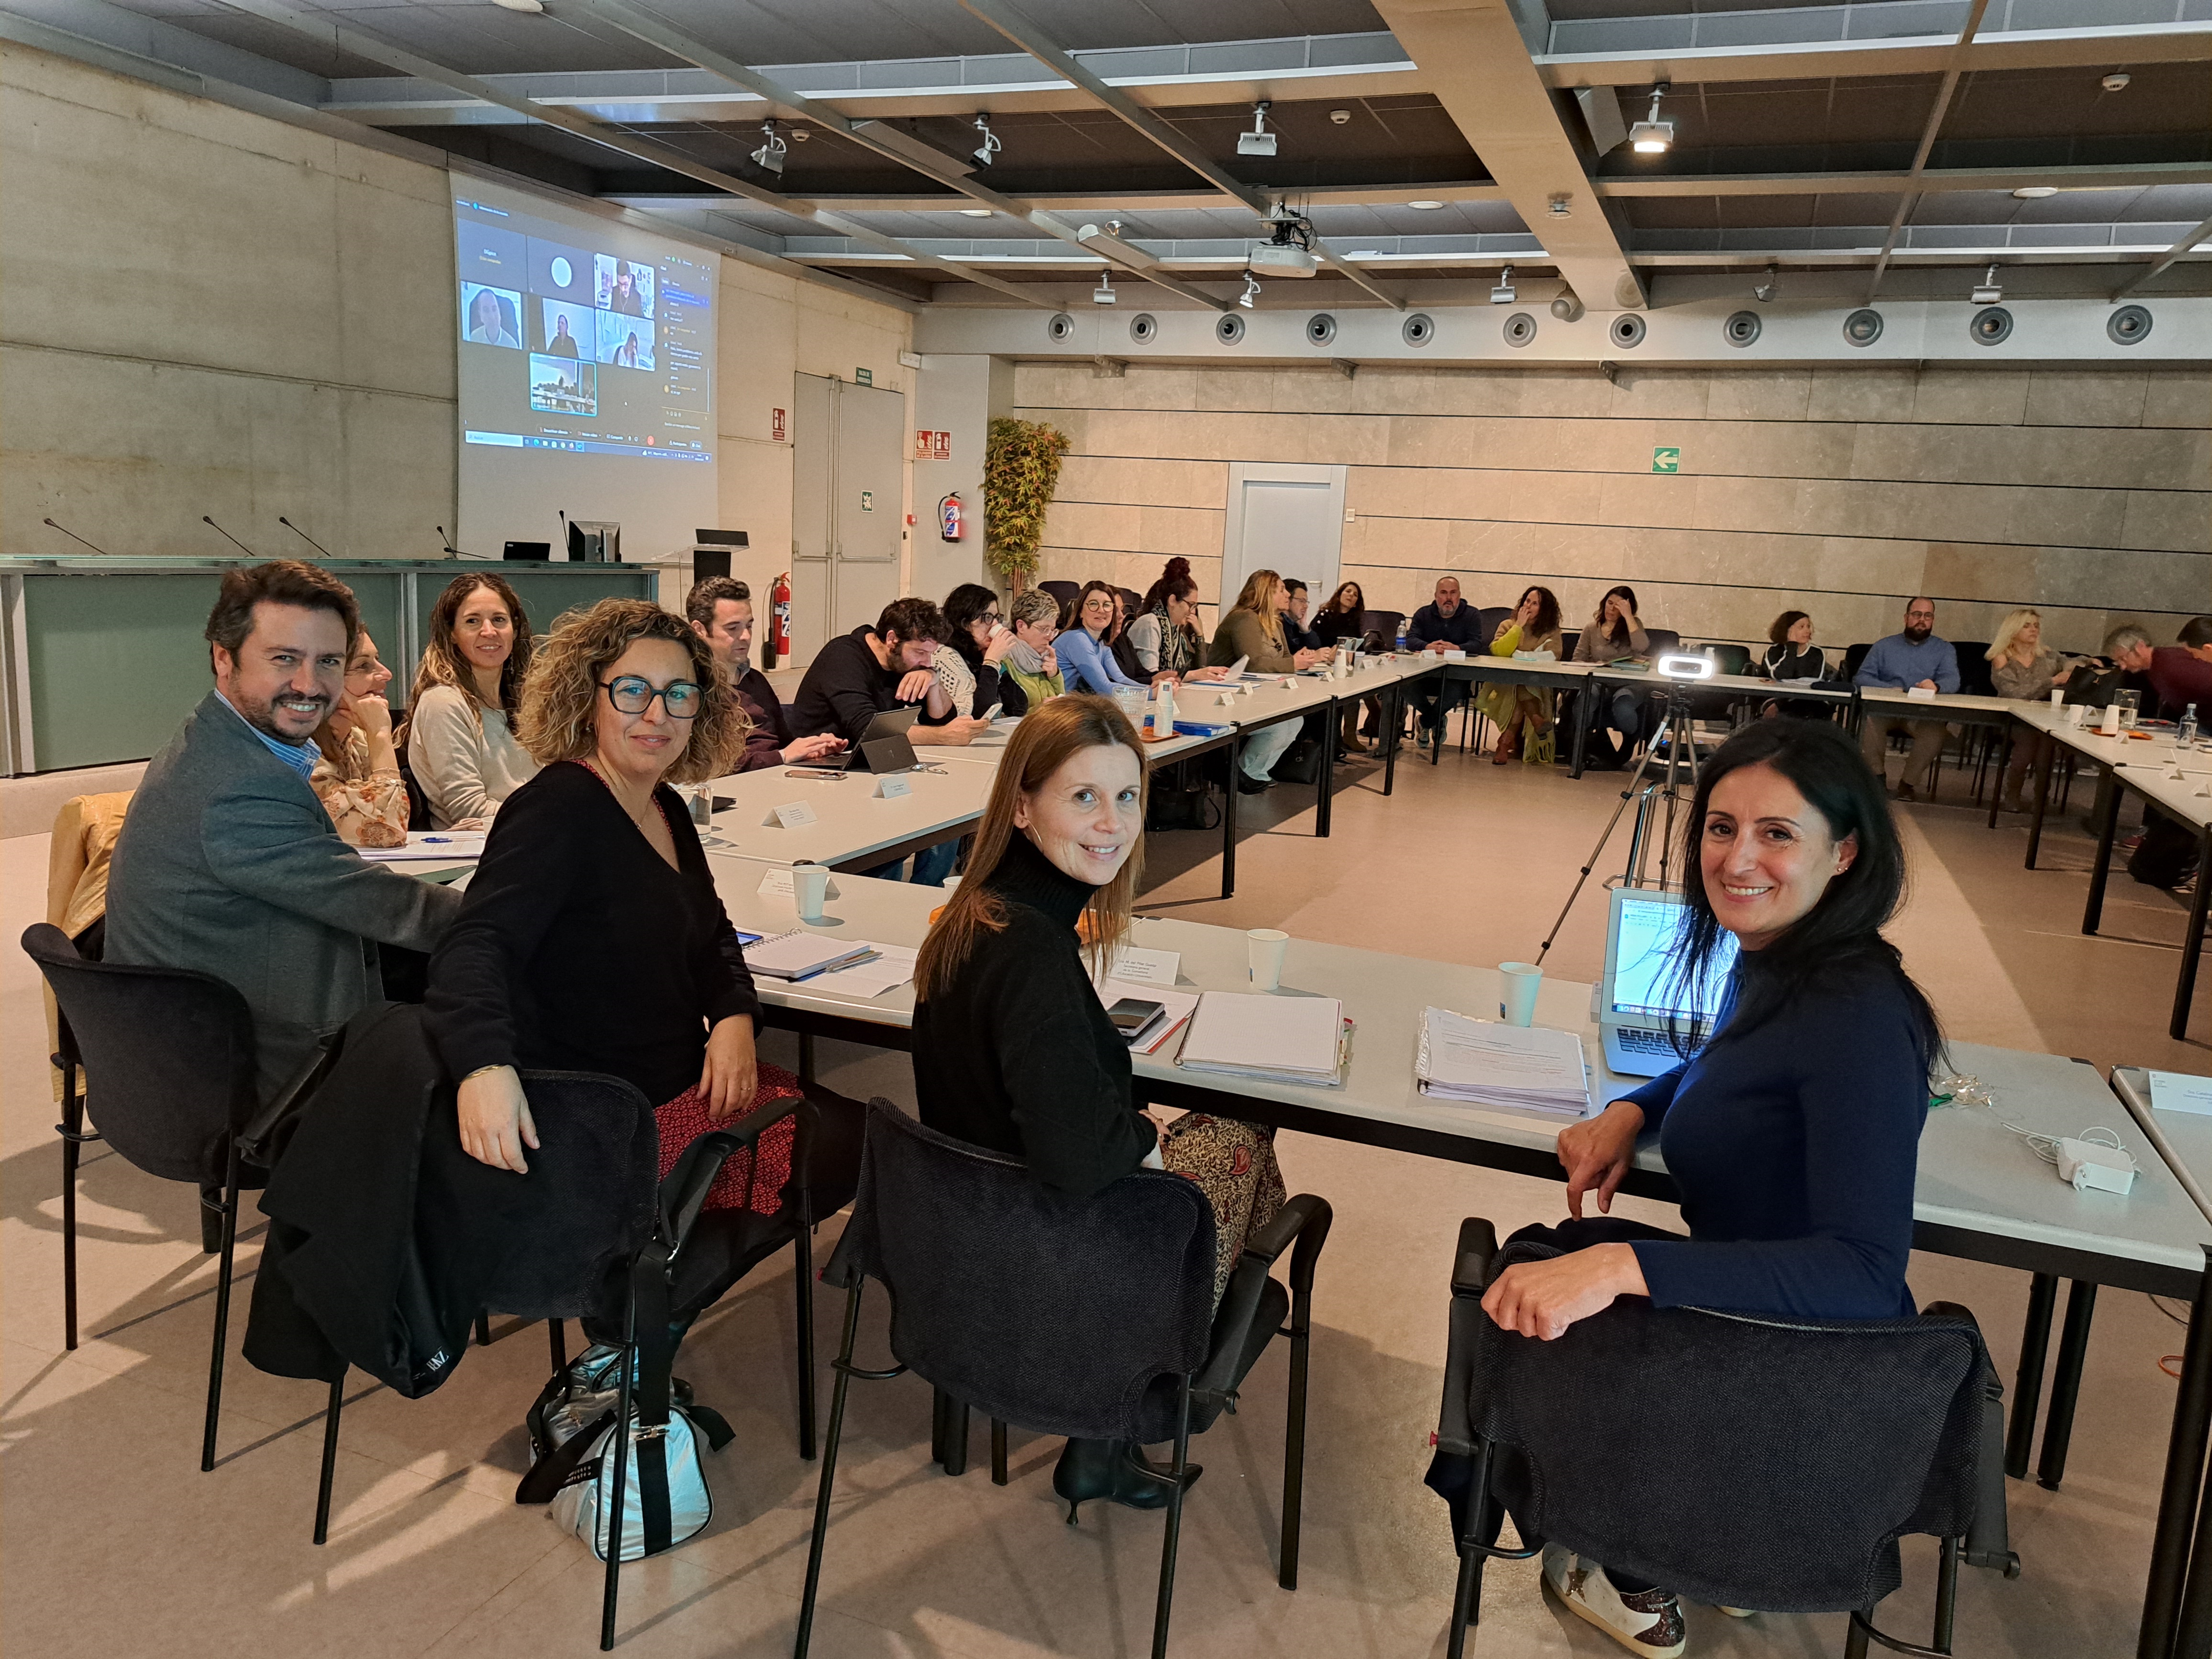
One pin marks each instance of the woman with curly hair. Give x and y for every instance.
(461, 740)
(592, 938)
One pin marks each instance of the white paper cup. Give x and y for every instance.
(2058, 697)
(1518, 1006)
(809, 886)
(1263, 952)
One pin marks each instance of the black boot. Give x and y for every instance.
(1113, 1469)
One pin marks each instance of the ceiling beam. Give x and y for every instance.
(1911, 193)
(1025, 33)
(2180, 250)
(345, 38)
(1472, 55)
(869, 134)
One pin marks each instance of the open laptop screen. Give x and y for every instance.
(1646, 926)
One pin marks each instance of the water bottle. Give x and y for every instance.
(2185, 730)
(1401, 634)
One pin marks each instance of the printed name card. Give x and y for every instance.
(1142, 967)
(890, 787)
(790, 815)
(776, 884)
(1926, 693)
(2178, 1091)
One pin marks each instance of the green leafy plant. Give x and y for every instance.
(1021, 469)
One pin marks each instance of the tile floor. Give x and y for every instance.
(114, 1543)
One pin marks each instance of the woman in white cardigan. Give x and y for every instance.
(461, 745)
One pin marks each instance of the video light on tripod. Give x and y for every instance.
(1684, 665)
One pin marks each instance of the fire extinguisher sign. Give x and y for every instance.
(932, 446)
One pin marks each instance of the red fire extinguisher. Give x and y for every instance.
(948, 518)
(780, 617)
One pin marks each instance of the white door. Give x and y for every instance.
(1284, 517)
(847, 479)
(813, 449)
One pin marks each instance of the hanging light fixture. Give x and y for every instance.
(770, 155)
(1651, 136)
(991, 145)
(1103, 295)
(1987, 293)
(1258, 141)
(1251, 291)
(1766, 291)
(1504, 293)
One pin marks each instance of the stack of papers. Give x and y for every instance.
(439, 846)
(893, 965)
(1269, 1039)
(1485, 1062)
(1175, 1007)
(800, 955)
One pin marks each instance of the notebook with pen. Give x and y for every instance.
(799, 955)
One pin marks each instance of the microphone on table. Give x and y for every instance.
(305, 536)
(74, 537)
(445, 541)
(228, 537)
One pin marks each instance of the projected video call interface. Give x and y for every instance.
(572, 348)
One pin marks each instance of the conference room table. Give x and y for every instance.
(1982, 1194)
(852, 827)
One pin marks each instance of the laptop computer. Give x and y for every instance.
(891, 723)
(1638, 995)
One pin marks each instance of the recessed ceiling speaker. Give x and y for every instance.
(1143, 328)
(1862, 327)
(1520, 329)
(1741, 329)
(1627, 330)
(1321, 329)
(1419, 329)
(1991, 325)
(1061, 328)
(1229, 329)
(2129, 326)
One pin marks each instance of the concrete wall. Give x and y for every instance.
(203, 310)
(2085, 492)
(957, 395)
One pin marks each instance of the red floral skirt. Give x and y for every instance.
(684, 1119)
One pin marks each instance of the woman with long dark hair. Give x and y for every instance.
(1534, 626)
(1793, 1133)
(1086, 646)
(967, 662)
(1616, 634)
(460, 741)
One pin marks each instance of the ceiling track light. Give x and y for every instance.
(1103, 295)
(1251, 291)
(1767, 292)
(771, 154)
(1989, 294)
(1504, 293)
(1651, 136)
(992, 143)
(1258, 141)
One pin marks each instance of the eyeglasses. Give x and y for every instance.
(632, 696)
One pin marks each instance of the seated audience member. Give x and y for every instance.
(1791, 654)
(1032, 673)
(1915, 658)
(1616, 634)
(1449, 623)
(1117, 640)
(1012, 1049)
(1252, 629)
(2180, 674)
(229, 864)
(1086, 653)
(968, 663)
(1534, 626)
(1337, 624)
(592, 938)
(1164, 636)
(720, 609)
(460, 717)
(356, 777)
(871, 671)
(1795, 1133)
(1296, 634)
(2021, 667)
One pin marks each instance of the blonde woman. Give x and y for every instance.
(2021, 668)
(1012, 1049)
(358, 776)
(1252, 628)
(460, 737)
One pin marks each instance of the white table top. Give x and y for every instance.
(1958, 701)
(2143, 761)
(2184, 1139)
(850, 822)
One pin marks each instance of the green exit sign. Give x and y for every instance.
(864, 377)
(1666, 457)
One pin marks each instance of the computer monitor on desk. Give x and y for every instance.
(1640, 995)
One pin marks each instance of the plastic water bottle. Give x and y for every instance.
(1401, 634)
(2184, 730)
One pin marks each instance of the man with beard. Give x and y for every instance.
(1915, 658)
(228, 863)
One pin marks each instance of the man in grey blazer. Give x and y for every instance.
(228, 862)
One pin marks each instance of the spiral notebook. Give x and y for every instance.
(1273, 1039)
(799, 955)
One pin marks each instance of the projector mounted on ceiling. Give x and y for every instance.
(1288, 250)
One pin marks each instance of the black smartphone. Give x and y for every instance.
(1132, 1014)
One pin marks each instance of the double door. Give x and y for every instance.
(848, 472)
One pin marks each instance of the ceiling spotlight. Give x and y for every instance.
(2036, 192)
(1103, 295)
(1557, 204)
(991, 145)
(2116, 82)
(1504, 293)
(1988, 292)
(1424, 207)
(1251, 291)
(1338, 117)
(1651, 136)
(1258, 141)
(770, 155)
(1766, 291)
(1567, 307)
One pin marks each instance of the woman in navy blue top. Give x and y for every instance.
(1794, 1134)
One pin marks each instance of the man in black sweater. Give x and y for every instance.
(1449, 624)
(871, 671)
(721, 612)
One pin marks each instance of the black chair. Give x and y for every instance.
(1066, 593)
(1733, 658)
(418, 804)
(1854, 658)
(1662, 640)
(1384, 622)
(169, 1075)
(1090, 1318)
(1799, 1451)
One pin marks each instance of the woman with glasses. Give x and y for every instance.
(357, 779)
(592, 938)
(968, 663)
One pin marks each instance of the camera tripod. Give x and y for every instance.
(1678, 771)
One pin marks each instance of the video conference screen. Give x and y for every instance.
(587, 373)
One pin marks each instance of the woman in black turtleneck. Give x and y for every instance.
(1012, 1049)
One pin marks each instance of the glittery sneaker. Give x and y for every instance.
(1646, 1622)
